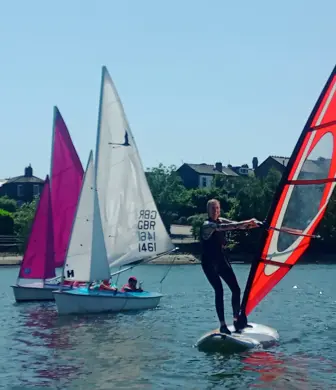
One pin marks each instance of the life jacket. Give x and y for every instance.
(105, 285)
(126, 287)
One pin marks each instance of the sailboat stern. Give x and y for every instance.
(32, 292)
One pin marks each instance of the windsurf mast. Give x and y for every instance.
(299, 202)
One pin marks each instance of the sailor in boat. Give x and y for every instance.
(73, 283)
(131, 286)
(104, 285)
(215, 263)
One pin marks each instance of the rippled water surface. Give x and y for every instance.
(154, 349)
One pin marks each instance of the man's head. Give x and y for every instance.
(213, 207)
(132, 281)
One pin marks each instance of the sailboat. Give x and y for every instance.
(66, 175)
(298, 206)
(130, 224)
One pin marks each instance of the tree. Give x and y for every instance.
(23, 219)
(8, 204)
(6, 223)
(171, 197)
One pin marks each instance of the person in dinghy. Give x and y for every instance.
(131, 286)
(215, 263)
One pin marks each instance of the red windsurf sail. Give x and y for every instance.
(300, 200)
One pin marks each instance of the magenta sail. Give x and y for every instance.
(37, 261)
(66, 181)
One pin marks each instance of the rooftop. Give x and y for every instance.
(209, 169)
(311, 166)
(28, 177)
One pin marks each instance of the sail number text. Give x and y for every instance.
(146, 230)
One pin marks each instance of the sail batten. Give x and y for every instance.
(312, 181)
(300, 200)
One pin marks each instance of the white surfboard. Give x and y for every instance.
(257, 336)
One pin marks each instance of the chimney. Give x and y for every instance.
(255, 163)
(28, 171)
(219, 166)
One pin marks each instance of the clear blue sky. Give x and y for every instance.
(201, 81)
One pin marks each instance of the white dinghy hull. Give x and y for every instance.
(83, 301)
(34, 292)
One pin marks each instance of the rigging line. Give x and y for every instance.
(169, 268)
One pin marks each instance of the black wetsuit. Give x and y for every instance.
(216, 265)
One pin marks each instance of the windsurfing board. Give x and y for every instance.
(256, 336)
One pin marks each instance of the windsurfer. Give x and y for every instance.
(214, 262)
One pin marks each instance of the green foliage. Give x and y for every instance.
(6, 222)
(196, 222)
(23, 219)
(240, 198)
(170, 195)
(8, 204)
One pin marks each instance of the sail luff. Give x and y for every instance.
(304, 146)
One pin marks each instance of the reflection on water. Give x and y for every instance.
(154, 349)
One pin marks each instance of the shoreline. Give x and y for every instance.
(180, 259)
(9, 260)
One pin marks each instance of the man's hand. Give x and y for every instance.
(250, 224)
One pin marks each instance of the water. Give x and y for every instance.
(154, 349)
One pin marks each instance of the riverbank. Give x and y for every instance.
(12, 260)
(8, 260)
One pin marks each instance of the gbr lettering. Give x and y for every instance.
(146, 230)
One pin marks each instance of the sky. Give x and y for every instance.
(200, 81)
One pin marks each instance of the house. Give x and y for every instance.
(310, 169)
(22, 188)
(201, 175)
(242, 170)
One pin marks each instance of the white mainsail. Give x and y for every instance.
(86, 258)
(132, 226)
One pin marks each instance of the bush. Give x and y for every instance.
(8, 204)
(6, 223)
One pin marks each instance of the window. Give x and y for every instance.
(243, 171)
(20, 190)
(204, 182)
(36, 190)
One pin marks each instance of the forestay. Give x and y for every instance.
(300, 201)
(86, 258)
(132, 226)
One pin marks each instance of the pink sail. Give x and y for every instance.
(37, 261)
(66, 181)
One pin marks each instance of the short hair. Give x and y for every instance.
(211, 202)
